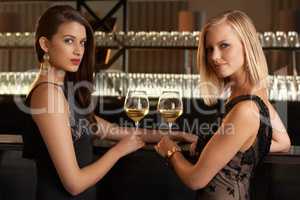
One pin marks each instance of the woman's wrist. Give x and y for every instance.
(172, 158)
(116, 152)
(171, 152)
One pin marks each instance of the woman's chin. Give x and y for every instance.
(73, 69)
(222, 75)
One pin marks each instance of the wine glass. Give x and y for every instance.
(269, 39)
(136, 105)
(3, 83)
(170, 106)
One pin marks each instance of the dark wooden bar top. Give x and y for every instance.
(292, 157)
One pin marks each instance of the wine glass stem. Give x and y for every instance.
(136, 126)
(170, 127)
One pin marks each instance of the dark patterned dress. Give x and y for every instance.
(233, 181)
(49, 186)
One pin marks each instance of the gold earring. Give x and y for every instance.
(45, 65)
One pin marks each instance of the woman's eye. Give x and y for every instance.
(224, 45)
(68, 41)
(83, 43)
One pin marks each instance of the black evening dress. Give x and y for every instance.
(233, 181)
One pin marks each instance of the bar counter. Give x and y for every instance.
(292, 157)
(145, 175)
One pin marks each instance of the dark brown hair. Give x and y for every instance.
(47, 26)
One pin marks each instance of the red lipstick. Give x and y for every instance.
(75, 61)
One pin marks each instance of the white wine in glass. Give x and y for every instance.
(136, 105)
(170, 106)
(170, 115)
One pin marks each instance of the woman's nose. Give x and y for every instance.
(78, 50)
(215, 55)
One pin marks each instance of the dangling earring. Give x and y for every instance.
(45, 65)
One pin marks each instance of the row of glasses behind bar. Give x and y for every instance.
(116, 84)
(154, 39)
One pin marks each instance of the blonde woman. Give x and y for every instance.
(230, 56)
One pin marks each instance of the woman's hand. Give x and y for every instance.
(193, 149)
(164, 145)
(129, 144)
(183, 137)
(190, 138)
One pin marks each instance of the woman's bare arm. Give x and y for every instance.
(280, 139)
(239, 127)
(55, 131)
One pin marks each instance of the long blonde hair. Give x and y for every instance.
(211, 86)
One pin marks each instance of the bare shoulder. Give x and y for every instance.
(48, 97)
(245, 110)
(242, 118)
(49, 110)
